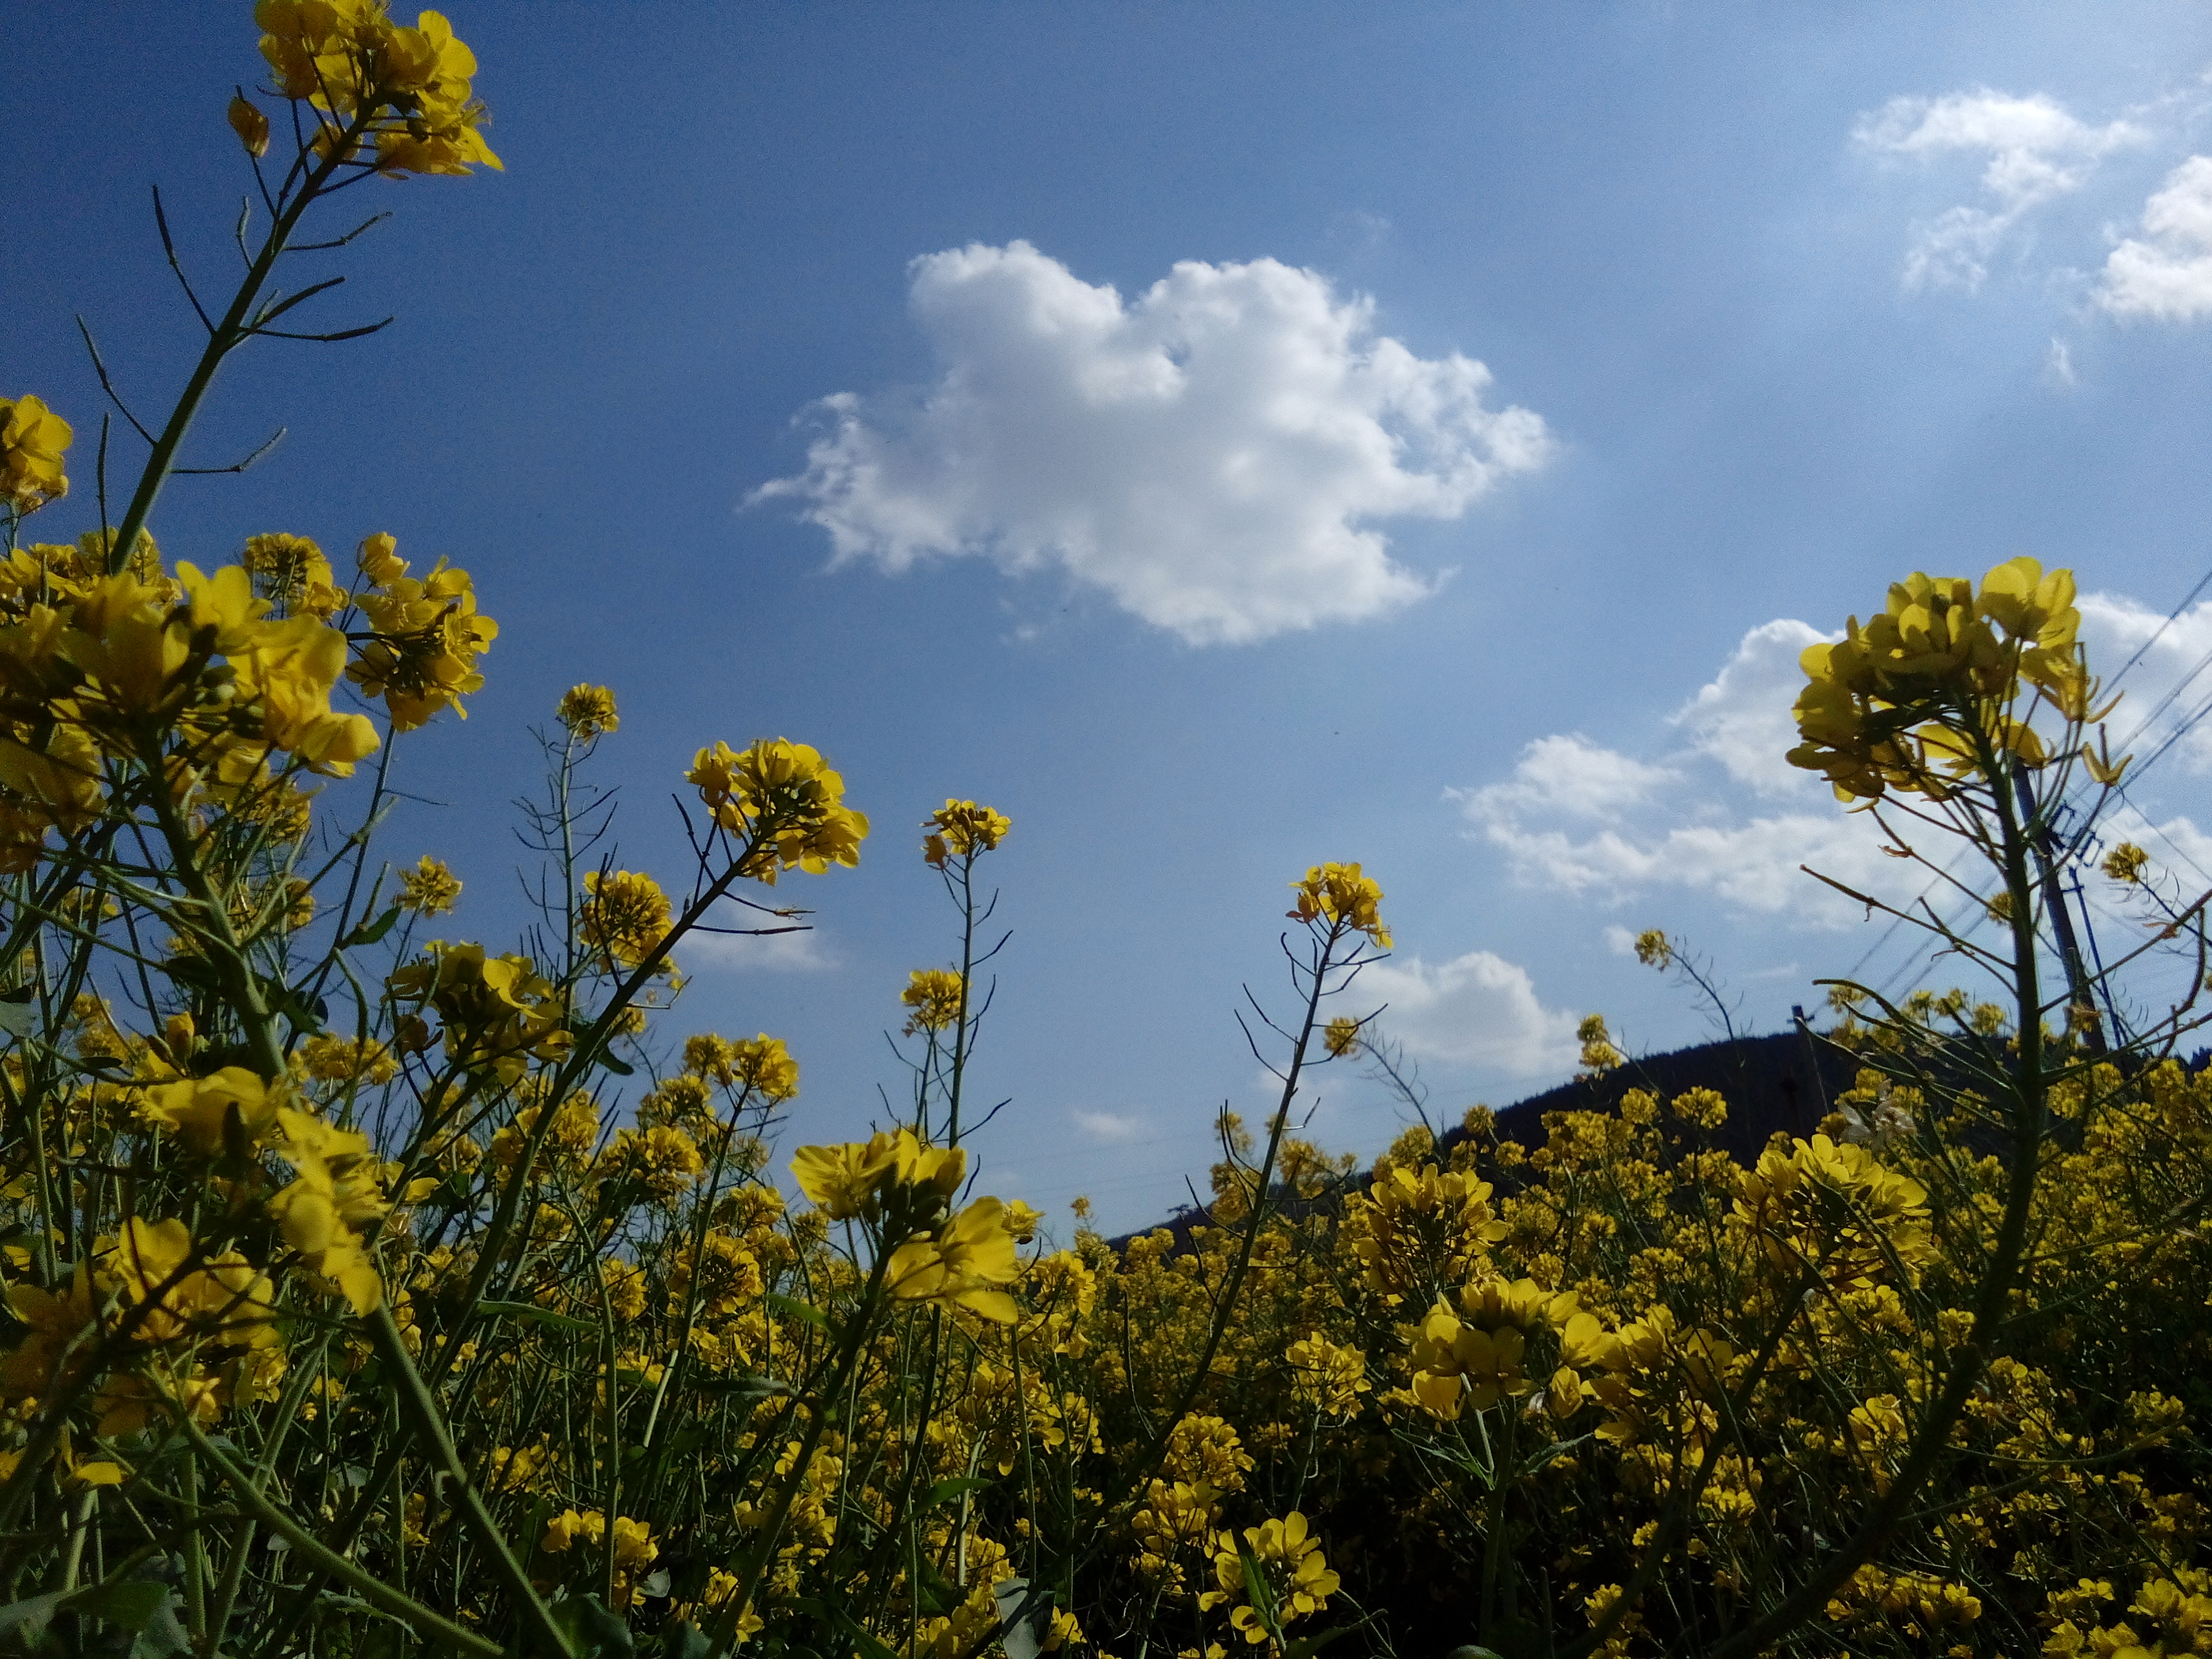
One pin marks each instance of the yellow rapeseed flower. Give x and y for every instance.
(842, 1180)
(251, 126)
(937, 996)
(1936, 671)
(786, 799)
(960, 1264)
(33, 441)
(199, 1110)
(430, 888)
(587, 712)
(2126, 863)
(292, 574)
(1339, 895)
(626, 915)
(405, 90)
(960, 829)
(1297, 1576)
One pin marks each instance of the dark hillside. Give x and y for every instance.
(1782, 1081)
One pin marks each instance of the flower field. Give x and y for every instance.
(370, 1290)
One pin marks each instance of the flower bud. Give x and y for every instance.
(251, 126)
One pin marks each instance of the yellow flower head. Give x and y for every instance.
(430, 888)
(1326, 1378)
(33, 441)
(1342, 1035)
(200, 1111)
(764, 1066)
(626, 915)
(588, 711)
(846, 1181)
(842, 1180)
(1924, 686)
(291, 572)
(2126, 863)
(406, 91)
(1289, 1558)
(1455, 1363)
(1339, 895)
(960, 829)
(937, 995)
(336, 1191)
(784, 800)
(426, 635)
(1832, 1208)
(957, 1266)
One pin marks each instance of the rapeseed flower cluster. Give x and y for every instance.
(357, 1280)
(402, 92)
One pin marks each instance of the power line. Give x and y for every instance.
(2159, 633)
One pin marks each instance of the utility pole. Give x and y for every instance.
(2079, 991)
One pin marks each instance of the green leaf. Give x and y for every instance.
(1544, 1455)
(532, 1313)
(194, 972)
(745, 1386)
(287, 1000)
(791, 1307)
(683, 1640)
(833, 1613)
(16, 1010)
(32, 1617)
(1021, 1609)
(1256, 1589)
(142, 1607)
(369, 932)
(603, 1055)
(937, 1595)
(588, 1628)
(945, 1490)
(1305, 1647)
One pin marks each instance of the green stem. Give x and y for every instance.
(226, 337)
(2028, 1112)
(433, 1628)
(429, 1428)
(754, 1562)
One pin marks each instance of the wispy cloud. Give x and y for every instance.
(1113, 1127)
(1214, 455)
(805, 952)
(2037, 152)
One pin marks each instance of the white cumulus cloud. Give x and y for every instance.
(2037, 151)
(1477, 1009)
(1564, 820)
(2166, 272)
(2168, 682)
(1742, 719)
(1215, 454)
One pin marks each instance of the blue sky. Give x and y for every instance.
(1215, 556)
